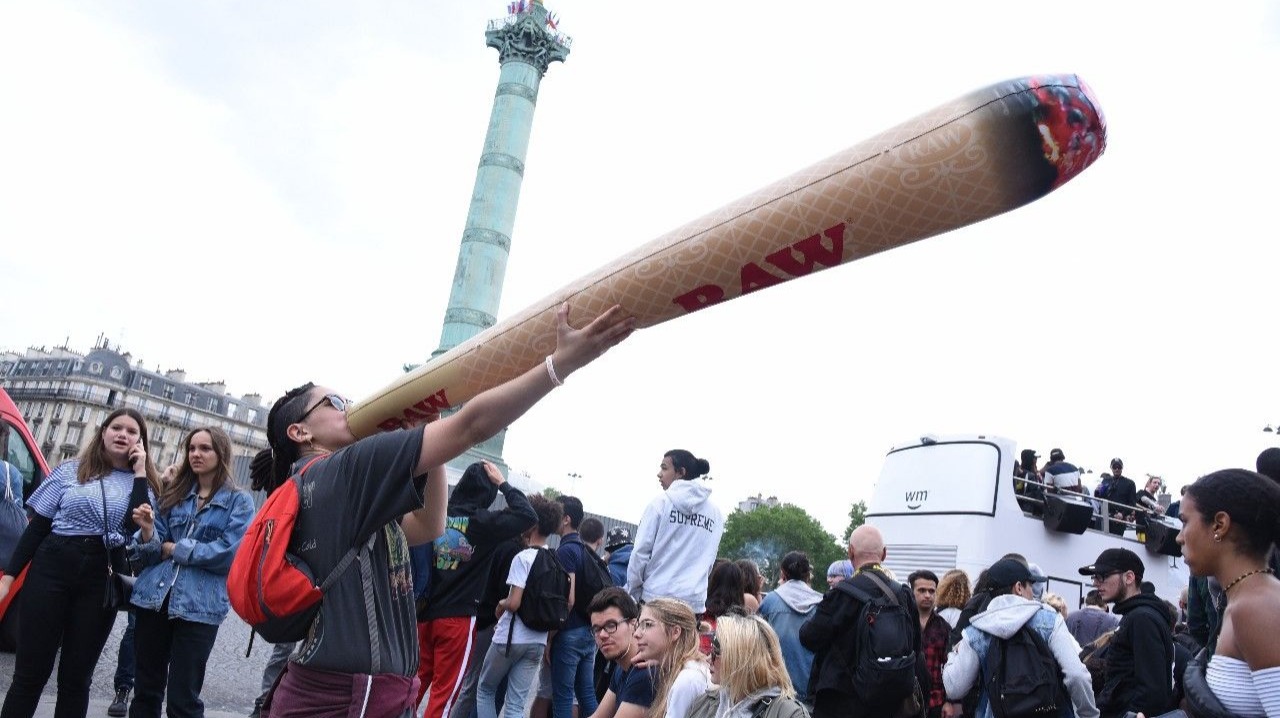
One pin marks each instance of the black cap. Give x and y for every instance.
(618, 536)
(1115, 559)
(1117, 463)
(1057, 455)
(1008, 571)
(1028, 454)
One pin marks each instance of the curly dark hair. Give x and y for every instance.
(1249, 498)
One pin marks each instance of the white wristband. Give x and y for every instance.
(551, 371)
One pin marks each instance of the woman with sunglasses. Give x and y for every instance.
(1230, 523)
(746, 663)
(80, 516)
(667, 642)
(187, 545)
(386, 491)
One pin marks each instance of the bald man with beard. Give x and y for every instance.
(832, 636)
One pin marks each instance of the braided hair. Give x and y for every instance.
(272, 466)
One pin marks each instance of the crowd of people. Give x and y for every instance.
(447, 616)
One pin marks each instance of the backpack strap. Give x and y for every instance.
(884, 587)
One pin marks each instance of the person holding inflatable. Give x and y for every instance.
(388, 490)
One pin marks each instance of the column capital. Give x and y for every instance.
(527, 38)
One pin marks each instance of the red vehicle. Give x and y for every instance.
(17, 447)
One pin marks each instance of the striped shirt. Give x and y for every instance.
(76, 509)
(1243, 693)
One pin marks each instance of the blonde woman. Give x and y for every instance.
(746, 662)
(953, 594)
(667, 641)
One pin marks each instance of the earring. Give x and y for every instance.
(1217, 538)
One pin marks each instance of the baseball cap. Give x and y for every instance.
(1028, 454)
(1057, 455)
(1008, 571)
(617, 536)
(1117, 463)
(1113, 560)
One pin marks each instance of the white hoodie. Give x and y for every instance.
(1003, 617)
(676, 544)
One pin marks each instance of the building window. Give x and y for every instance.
(40, 409)
(116, 372)
(73, 435)
(231, 410)
(190, 399)
(82, 415)
(58, 409)
(157, 435)
(145, 384)
(95, 367)
(168, 390)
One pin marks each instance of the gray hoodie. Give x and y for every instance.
(1003, 617)
(676, 544)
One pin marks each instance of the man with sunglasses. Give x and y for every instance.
(613, 616)
(1138, 676)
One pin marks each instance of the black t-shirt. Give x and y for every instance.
(360, 491)
(634, 686)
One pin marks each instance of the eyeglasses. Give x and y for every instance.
(1099, 578)
(715, 646)
(609, 628)
(337, 402)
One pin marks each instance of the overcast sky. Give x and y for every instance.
(270, 193)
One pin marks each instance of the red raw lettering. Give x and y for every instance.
(754, 277)
(703, 296)
(389, 425)
(434, 403)
(812, 251)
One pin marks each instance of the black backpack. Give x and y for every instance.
(885, 669)
(544, 605)
(592, 578)
(1023, 679)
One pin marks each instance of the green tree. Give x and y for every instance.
(857, 517)
(768, 533)
(551, 493)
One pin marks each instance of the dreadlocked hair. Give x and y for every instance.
(271, 466)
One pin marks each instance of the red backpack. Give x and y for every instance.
(273, 590)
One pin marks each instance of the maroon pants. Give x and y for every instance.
(303, 692)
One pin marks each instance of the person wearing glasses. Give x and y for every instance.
(667, 642)
(1139, 665)
(361, 652)
(747, 665)
(613, 618)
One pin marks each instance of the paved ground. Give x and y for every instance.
(231, 683)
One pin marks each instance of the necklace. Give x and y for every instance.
(1243, 576)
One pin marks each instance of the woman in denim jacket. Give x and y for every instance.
(181, 596)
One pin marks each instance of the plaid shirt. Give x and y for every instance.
(934, 640)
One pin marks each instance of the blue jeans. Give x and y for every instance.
(573, 662)
(518, 664)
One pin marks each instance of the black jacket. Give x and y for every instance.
(1139, 662)
(1122, 491)
(472, 532)
(832, 637)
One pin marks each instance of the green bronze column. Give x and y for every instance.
(527, 43)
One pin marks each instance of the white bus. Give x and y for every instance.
(949, 502)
